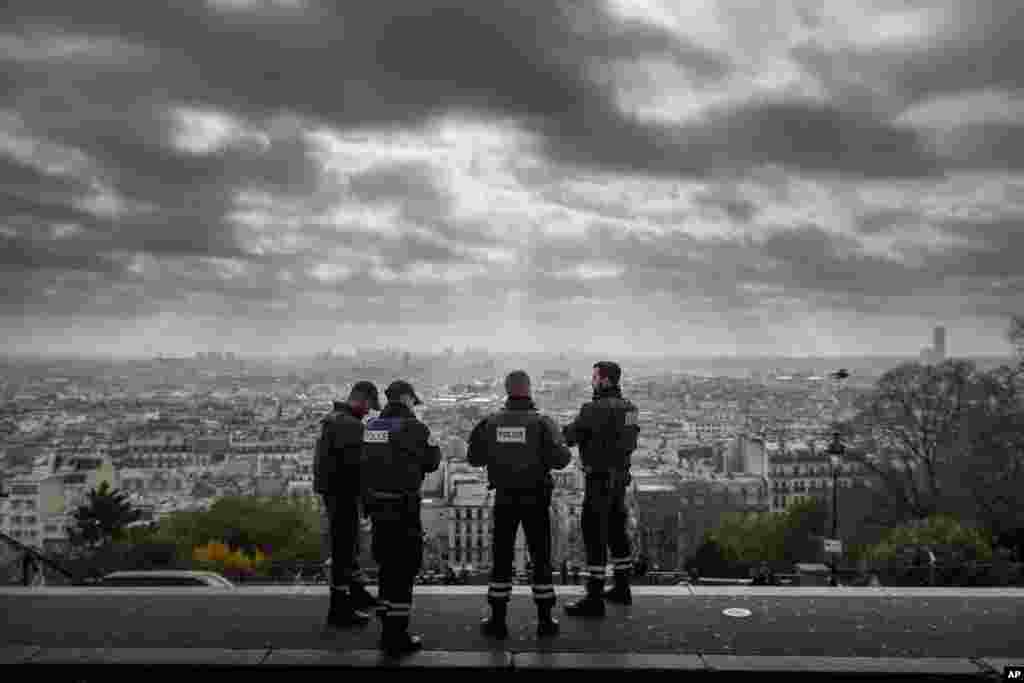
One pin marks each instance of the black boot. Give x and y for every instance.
(547, 625)
(497, 625)
(621, 593)
(362, 599)
(590, 606)
(342, 614)
(396, 641)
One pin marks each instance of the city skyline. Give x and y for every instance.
(280, 177)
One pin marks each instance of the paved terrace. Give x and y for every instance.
(948, 632)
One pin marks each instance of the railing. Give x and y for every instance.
(39, 558)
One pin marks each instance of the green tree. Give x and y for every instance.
(750, 537)
(802, 528)
(941, 533)
(791, 536)
(281, 528)
(711, 559)
(103, 518)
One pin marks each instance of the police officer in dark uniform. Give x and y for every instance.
(397, 452)
(519, 447)
(336, 478)
(606, 431)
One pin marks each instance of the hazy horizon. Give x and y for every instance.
(496, 354)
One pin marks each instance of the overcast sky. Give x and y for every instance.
(656, 176)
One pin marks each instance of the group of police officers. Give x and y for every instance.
(377, 465)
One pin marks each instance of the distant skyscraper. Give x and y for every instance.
(939, 344)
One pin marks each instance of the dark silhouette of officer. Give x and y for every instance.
(606, 431)
(398, 452)
(519, 447)
(336, 477)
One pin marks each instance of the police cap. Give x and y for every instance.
(369, 391)
(400, 388)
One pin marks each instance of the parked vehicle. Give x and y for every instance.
(166, 578)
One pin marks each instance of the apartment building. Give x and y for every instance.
(38, 509)
(470, 527)
(797, 476)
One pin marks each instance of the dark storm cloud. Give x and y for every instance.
(175, 202)
(978, 48)
(989, 146)
(803, 136)
(31, 201)
(545, 64)
(415, 248)
(807, 264)
(878, 222)
(411, 186)
(383, 61)
(401, 182)
(28, 254)
(809, 259)
(992, 251)
(728, 201)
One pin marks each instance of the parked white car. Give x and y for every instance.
(165, 578)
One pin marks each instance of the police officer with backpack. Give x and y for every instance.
(397, 452)
(336, 478)
(606, 431)
(519, 447)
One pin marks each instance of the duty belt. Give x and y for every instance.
(389, 495)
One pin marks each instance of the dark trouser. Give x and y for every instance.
(398, 550)
(343, 522)
(604, 527)
(532, 509)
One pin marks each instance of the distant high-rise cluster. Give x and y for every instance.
(936, 353)
(216, 356)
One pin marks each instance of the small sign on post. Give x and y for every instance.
(833, 545)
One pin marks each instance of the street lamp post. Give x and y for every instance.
(835, 451)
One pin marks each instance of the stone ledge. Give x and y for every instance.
(186, 656)
(998, 664)
(149, 656)
(845, 665)
(579, 661)
(538, 662)
(360, 659)
(18, 654)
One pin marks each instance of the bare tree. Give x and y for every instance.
(914, 426)
(994, 472)
(1016, 336)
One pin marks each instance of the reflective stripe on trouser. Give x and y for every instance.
(543, 594)
(499, 591)
(622, 565)
(398, 550)
(604, 524)
(398, 609)
(343, 589)
(531, 509)
(595, 580)
(343, 527)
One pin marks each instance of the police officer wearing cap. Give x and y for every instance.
(397, 452)
(519, 447)
(336, 478)
(606, 431)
